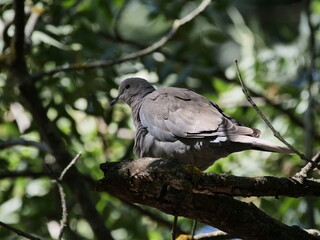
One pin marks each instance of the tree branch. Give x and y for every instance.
(64, 215)
(13, 175)
(305, 172)
(18, 40)
(154, 217)
(187, 177)
(217, 235)
(19, 232)
(275, 132)
(48, 130)
(143, 52)
(23, 142)
(154, 182)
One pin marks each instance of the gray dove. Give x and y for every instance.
(179, 124)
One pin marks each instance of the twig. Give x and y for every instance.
(12, 175)
(194, 229)
(32, 21)
(264, 118)
(305, 172)
(73, 161)
(13, 142)
(64, 217)
(19, 232)
(217, 235)
(154, 217)
(155, 46)
(63, 221)
(58, 181)
(174, 225)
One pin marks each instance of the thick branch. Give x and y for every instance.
(187, 177)
(18, 40)
(142, 181)
(48, 130)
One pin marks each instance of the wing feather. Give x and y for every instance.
(172, 113)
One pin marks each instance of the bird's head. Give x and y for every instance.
(132, 89)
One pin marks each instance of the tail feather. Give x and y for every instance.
(260, 144)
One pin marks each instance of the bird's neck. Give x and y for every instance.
(135, 108)
(135, 105)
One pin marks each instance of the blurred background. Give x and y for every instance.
(276, 43)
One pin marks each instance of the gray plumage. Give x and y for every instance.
(177, 123)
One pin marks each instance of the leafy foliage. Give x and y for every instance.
(269, 38)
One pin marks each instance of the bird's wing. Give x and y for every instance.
(172, 113)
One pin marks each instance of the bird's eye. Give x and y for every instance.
(128, 86)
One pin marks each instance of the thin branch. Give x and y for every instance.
(13, 175)
(217, 235)
(194, 229)
(32, 21)
(154, 217)
(174, 227)
(264, 118)
(19, 232)
(73, 161)
(58, 181)
(63, 221)
(23, 142)
(143, 52)
(305, 172)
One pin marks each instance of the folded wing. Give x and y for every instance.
(172, 113)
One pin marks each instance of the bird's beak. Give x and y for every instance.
(114, 101)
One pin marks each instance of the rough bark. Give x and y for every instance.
(182, 190)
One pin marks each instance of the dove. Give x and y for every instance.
(180, 124)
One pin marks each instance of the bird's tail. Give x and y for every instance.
(260, 144)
